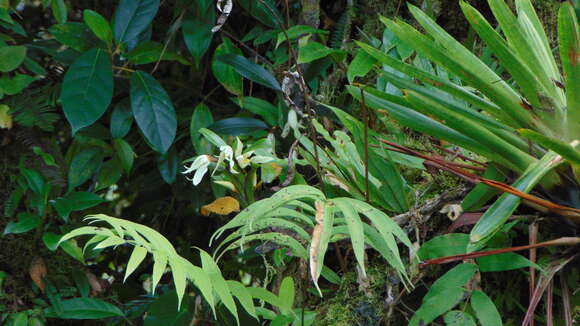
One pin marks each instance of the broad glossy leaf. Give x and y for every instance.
(485, 309)
(250, 70)
(153, 111)
(109, 173)
(504, 262)
(314, 51)
(197, 27)
(149, 51)
(168, 165)
(87, 89)
(125, 154)
(25, 223)
(164, 311)
(225, 74)
(201, 118)
(77, 36)
(34, 180)
(76, 201)
(121, 119)
(360, 66)
(59, 11)
(99, 25)
(132, 17)
(265, 109)
(444, 245)
(237, 126)
(11, 57)
(83, 166)
(84, 308)
(458, 318)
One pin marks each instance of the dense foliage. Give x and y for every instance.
(261, 162)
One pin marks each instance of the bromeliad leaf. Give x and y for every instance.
(87, 89)
(153, 111)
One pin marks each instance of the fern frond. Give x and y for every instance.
(207, 278)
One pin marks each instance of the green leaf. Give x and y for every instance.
(132, 17)
(168, 164)
(569, 39)
(59, 11)
(84, 308)
(495, 216)
(458, 318)
(237, 126)
(566, 150)
(34, 180)
(124, 153)
(264, 11)
(504, 262)
(121, 119)
(14, 85)
(153, 111)
(314, 51)
(226, 75)
(51, 240)
(297, 31)
(239, 291)
(264, 109)
(76, 201)
(485, 309)
(444, 245)
(360, 66)
(219, 283)
(164, 311)
(136, 258)
(19, 319)
(250, 70)
(355, 230)
(83, 166)
(481, 193)
(99, 25)
(444, 294)
(286, 295)
(109, 174)
(11, 57)
(197, 27)
(201, 118)
(77, 36)
(149, 51)
(26, 222)
(87, 89)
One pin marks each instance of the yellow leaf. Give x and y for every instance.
(221, 206)
(5, 117)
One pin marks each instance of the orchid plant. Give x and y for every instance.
(236, 166)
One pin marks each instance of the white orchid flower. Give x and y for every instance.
(200, 165)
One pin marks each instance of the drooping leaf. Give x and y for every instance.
(201, 118)
(153, 111)
(197, 27)
(84, 308)
(237, 126)
(76, 201)
(226, 75)
(59, 11)
(250, 70)
(83, 166)
(25, 223)
(168, 164)
(87, 89)
(135, 259)
(121, 119)
(99, 25)
(11, 57)
(125, 154)
(132, 17)
(485, 309)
